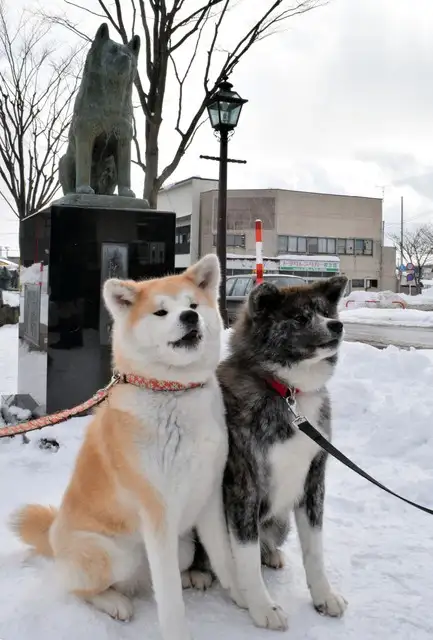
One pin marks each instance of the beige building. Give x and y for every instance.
(309, 234)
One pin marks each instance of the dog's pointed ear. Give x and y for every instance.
(263, 299)
(102, 33)
(119, 295)
(206, 274)
(134, 45)
(333, 288)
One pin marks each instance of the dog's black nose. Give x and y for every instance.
(190, 317)
(335, 326)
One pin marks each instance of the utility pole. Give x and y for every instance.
(401, 229)
(401, 239)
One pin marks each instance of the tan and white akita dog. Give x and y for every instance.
(150, 467)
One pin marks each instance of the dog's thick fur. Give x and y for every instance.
(150, 467)
(98, 157)
(291, 335)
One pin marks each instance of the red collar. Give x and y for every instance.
(283, 390)
(158, 385)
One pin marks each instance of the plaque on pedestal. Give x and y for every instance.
(67, 251)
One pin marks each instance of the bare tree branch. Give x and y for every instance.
(181, 80)
(36, 87)
(417, 248)
(79, 6)
(139, 161)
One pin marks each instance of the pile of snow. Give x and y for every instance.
(12, 298)
(426, 297)
(400, 317)
(37, 272)
(8, 360)
(373, 299)
(378, 550)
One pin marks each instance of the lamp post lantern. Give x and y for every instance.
(224, 107)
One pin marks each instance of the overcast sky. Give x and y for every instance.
(340, 102)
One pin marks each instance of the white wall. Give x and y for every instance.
(184, 199)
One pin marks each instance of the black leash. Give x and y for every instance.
(301, 423)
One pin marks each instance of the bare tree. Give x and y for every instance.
(175, 30)
(417, 249)
(36, 87)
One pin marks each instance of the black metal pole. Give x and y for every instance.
(222, 223)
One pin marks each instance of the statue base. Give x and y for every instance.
(100, 201)
(67, 252)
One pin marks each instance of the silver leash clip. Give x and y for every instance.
(115, 378)
(296, 418)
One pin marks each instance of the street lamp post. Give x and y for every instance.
(224, 107)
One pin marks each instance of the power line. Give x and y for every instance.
(419, 215)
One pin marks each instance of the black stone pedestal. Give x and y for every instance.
(68, 250)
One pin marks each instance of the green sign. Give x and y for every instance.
(309, 265)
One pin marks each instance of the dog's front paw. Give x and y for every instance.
(270, 616)
(114, 603)
(331, 605)
(274, 559)
(200, 580)
(238, 598)
(126, 192)
(85, 188)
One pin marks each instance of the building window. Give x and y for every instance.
(357, 284)
(359, 247)
(183, 240)
(323, 245)
(312, 246)
(350, 246)
(233, 240)
(302, 245)
(292, 244)
(368, 247)
(341, 246)
(282, 244)
(371, 284)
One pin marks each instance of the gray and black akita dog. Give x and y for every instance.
(284, 339)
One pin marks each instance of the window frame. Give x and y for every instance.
(365, 252)
(348, 252)
(341, 243)
(359, 246)
(303, 239)
(319, 250)
(310, 240)
(334, 250)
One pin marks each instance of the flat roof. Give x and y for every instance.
(310, 193)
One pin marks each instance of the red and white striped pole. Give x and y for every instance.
(259, 252)
(41, 273)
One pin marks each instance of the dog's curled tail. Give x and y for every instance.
(32, 525)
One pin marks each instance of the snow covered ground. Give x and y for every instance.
(400, 317)
(399, 327)
(388, 299)
(378, 550)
